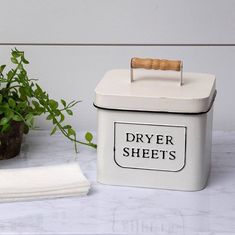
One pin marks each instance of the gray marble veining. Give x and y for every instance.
(123, 210)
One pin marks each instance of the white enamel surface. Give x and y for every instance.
(155, 91)
(123, 210)
(191, 176)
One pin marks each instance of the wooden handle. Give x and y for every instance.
(156, 64)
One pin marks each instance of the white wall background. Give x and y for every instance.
(71, 43)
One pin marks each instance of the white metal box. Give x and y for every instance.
(153, 132)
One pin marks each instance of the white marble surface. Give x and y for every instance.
(122, 210)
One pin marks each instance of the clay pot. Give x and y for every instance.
(10, 142)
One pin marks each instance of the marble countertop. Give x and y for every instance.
(122, 210)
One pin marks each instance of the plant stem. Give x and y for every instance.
(14, 73)
(64, 132)
(14, 111)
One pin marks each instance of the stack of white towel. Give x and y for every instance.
(42, 182)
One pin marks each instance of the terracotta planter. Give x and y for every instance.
(10, 142)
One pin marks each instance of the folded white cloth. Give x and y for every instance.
(42, 182)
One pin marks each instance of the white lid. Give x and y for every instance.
(154, 90)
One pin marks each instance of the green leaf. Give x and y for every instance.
(22, 91)
(53, 104)
(2, 67)
(4, 121)
(39, 110)
(25, 61)
(9, 74)
(29, 123)
(63, 102)
(89, 137)
(1, 97)
(39, 89)
(29, 119)
(17, 118)
(5, 127)
(49, 117)
(11, 103)
(22, 105)
(5, 106)
(67, 127)
(61, 117)
(14, 60)
(29, 116)
(15, 54)
(9, 114)
(57, 112)
(15, 95)
(21, 68)
(54, 130)
(54, 121)
(42, 102)
(71, 132)
(69, 112)
(35, 103)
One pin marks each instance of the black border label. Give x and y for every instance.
(138, 168)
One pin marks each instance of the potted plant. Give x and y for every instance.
(21, 99)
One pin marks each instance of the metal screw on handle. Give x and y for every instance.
(157, 64)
